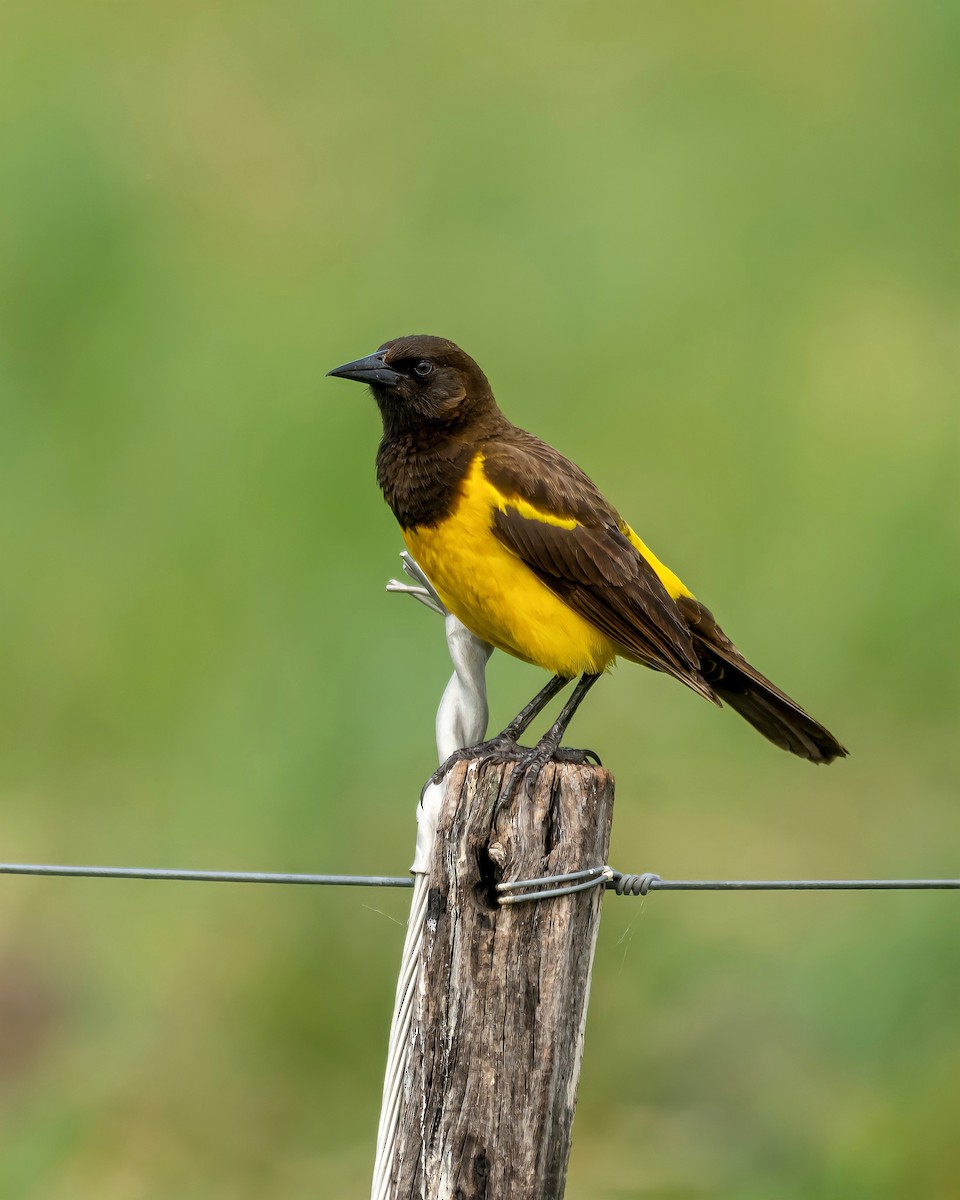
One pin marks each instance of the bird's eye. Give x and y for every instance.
(423, 368)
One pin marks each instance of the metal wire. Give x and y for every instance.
(801, 885)
(555, 885)
(622, 884)
(207, 876)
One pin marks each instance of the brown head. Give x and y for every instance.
(422, 382)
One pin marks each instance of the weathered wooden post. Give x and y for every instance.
(491, 1002)
(494, 1049)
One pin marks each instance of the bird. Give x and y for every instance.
(528, 553)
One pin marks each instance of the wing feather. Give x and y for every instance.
(573, 540)
(553, 517)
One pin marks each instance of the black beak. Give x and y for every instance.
(371, 369)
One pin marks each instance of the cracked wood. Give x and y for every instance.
(497, 1037)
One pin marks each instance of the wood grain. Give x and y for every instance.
(497, 1036)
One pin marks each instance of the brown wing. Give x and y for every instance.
(592, 566)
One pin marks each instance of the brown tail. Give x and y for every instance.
(752, 695)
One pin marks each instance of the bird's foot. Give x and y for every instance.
(527, 769)
(500, 749)
(531, 761)
(580, 758)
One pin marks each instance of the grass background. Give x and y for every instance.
(708, 250)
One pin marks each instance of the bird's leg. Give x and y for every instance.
(550, 742)
(518, 725)
(548, 748)
(503, 747)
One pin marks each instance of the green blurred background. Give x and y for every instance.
(709, 250)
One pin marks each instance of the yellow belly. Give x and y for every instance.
(497, 596)
(501, 600)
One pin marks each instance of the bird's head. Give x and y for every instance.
(420, 381)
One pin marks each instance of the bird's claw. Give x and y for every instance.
(528, 761)
(499, 749)
(529, 766)
(579, 758)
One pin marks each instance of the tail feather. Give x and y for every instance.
(770, 711)
(786, 725)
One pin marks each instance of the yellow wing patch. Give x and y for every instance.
(525, 508)
(674, 586)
